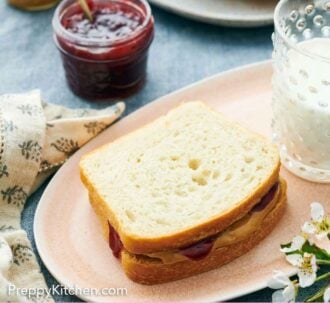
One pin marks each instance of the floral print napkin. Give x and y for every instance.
(35, 139)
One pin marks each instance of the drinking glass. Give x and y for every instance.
(301, 87)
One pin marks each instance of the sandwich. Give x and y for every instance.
(185, 194)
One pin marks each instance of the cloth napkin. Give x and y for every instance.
(35, 139)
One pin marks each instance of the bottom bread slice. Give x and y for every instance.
(150, 271)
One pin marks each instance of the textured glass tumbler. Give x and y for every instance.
(301, 87)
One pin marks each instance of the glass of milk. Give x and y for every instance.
(301, 87)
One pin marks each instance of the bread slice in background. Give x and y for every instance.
(186, 176)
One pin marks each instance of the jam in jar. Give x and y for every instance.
(106, 57)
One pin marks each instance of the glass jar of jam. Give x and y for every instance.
(32, 5)
(107, 57)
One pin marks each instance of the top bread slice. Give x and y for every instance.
(186, 176)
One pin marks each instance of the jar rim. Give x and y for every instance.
(279, 29)
(95, 42)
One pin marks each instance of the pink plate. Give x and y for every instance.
(68, 234)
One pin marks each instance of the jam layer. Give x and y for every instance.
(114, 242)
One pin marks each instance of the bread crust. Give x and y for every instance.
(143, 245)
(148, 271)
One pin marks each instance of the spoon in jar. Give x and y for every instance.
(84, 6)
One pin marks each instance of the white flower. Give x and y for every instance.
(326, 296)
(319, 224)
(296, 244)
(306, 268)
(317, 211)
(288, 290)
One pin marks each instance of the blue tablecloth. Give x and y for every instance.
(182, 53)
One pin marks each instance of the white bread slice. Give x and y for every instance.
(152, 271)
(186, 176)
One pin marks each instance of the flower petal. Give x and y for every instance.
(278, 297)
(289, 293)
(317, 211)
(279, 280)
(313, 263)
(296, 244)
(308, 228)
(294, 259)
(326, 296)
(321, 236)
(306, 279)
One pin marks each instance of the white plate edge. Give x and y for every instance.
(226, 20)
